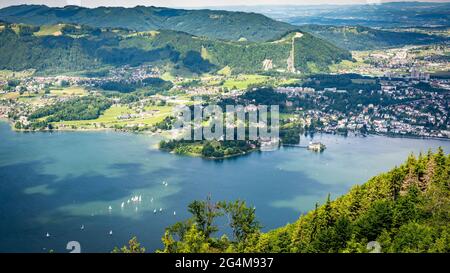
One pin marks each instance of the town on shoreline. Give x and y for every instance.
(390, 93)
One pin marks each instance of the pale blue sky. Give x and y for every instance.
(187, 3)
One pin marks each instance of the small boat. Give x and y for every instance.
(154, 211)
(122, 205)
(110, 233)
(82, 227)
(160, 209)
(140, 198)
(128, 201)
(151, 200)
(47, 235)
(174, 213)
(109, 208)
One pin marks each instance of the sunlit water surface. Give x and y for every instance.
(64, 184)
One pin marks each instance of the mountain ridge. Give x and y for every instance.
(365, 38)
(66, 47)
(211, 23)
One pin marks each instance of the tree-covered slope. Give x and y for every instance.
(52, 54)
(75, 48)
(247, 56)
(213, 24)
(365, 38)
(405, 210)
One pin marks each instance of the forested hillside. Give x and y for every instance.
(405, 210)
(246, 56)
(65, 47)
(365, 38)
(20, 49)
(210, 23)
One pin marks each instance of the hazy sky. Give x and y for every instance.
(186, 3)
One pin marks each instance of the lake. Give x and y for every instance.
(59, 182)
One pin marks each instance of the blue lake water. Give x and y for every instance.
(57, 182)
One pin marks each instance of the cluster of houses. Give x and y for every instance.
(403, 62)
(365, 123)
(143, 114)
(202, 90)
(132, 74)
(414, 74)
(415, 112)
(37, 84)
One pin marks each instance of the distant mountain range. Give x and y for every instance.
(340, 25)
(213, 24)
(189, 41)
(383, 15)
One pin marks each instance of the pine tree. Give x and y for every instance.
(327, 212)
(396, 181)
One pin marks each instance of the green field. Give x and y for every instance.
(242, 82)
(53, 30)
(226, 71)
(346, 65)
(9, 74)
(110, 118)
(288, 81)
(167, 76)
(25, 97)
(69, 91)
